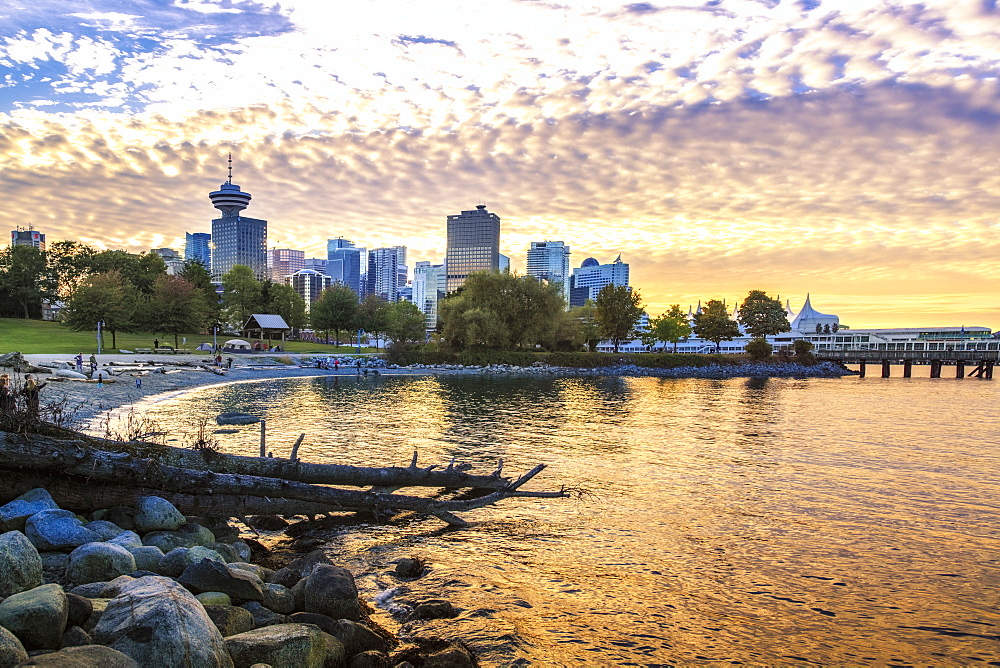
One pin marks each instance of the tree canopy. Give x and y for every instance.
(618, 309)
(371, 315)
(283, 300)
(102, 297)
(25, 280)
(669, 327)
(762, 316)
(175, 307)
(335, 310)
(242, 295)
(405, 323)
(714, 324)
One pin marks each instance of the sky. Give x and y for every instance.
(846, 149)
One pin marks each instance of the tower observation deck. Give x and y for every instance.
(229, 199)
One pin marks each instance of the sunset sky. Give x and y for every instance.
(847, 149)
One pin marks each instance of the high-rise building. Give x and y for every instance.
(549, 261)
(27, 237)
(429, 286)
(383, 271)
(171, 258)
(591, 276)
(236, 239)
(344, 263)
(285, 262)
(198, 247)
(309, 284)
(473, 245)
(316, 264)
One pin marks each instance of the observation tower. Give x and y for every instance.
(236, 239)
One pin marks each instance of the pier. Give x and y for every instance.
(981, 362)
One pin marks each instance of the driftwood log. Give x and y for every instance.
(84, 474)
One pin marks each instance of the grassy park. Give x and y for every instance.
(44, 337)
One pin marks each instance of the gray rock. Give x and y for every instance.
(196, 534)
(278, 598)
(236, 419)
(99, 606)
(106, 530)
(14, 514)
(166, 540)
(229, 619)
(268, 522)
(114, 587)
(76, 637)
(220, 527)
(409, 568)
(97, 562)
(355, 637)
(208, 575)
(12, 652)
(37, 617)
(79, 609)
(127, 539)
(155, 514)
(207, 598)
(242, 549)
(264, 616)
(123, 516)
(331, 591)
(227, 551)
(20, 564)
(336, 654)
(89, 590)
(370, 659)
(286, 577)
(57, 530)
(300, 645)
(174, 562)
(305, 564)
(159, 623)
(147, 557)
(253, 569)
(452, 656)
(89, 656)
(434, 608)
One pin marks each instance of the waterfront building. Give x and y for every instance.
(345, 262)
(309, 284)
(236, 239)
(198, 248)
(473, 245)
(384, 271)
(549, 261)
(429, 287)
(316, 264)
(27, 237)
(171, 258)
(588, 279)
(285, 262)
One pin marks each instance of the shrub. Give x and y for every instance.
(759, 349)
(803, 352)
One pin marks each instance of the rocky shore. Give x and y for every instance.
(147, 586)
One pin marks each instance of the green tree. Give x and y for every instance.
(70, 262)
(714, 324)
(762, 316)
(405, 323)
(197, 274)
(670, 327)
(803, 352)
(102, 297)
(25, 279)
(141, 271)
(283, 300)
(335, 310)
(242, 296)
(586, 316)
(617, 311)
(371, 315)
(175, 307)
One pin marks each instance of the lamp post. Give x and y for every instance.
(215, 335)
(100, 323)
(359, 340)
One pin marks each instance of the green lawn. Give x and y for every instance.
(39, 336)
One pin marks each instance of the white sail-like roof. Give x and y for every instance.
(808, 318)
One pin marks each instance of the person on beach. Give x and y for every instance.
(93, 363)
(336, 363)
(156, 344)
(229, 362)
(79, 363)
(7, 402)
(218, 360)
(31, 392)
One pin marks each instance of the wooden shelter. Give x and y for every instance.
(266, 326)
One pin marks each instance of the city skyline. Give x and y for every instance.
(838, 149)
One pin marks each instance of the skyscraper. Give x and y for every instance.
(236, 239)
(549, 260)
(171, 258)
(344, 262)
(198, 246)
(591, 276)
(473, 245)
(27, 237)
(285, 262)
(383, 271)
(309, 284)
(428, 288)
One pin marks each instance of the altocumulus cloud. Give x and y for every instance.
(718, 146)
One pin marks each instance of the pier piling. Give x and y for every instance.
(907, 369)
(862, 370)
(960, 369)
(885, 368)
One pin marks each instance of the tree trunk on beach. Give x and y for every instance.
(83, 474)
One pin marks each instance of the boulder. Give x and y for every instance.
(127, 539)
(305, 564)
(174, 562)
(436, 653)
(286, 577)
(89, 590)
(253, 569)
(159, 623)
(264, 616)
(196, 534)
(455, 655)
(236, 419)
(89, 656)
(220, 528)
(97, 562)
(278, 598)
(299, 645)
(100, 605)
(123, 516)
(207, 598)
(51, 530)
(409, 568)
(267, 522)
(37, 616)
(147, 557)
(355, 637)
(331, 591)
(166, 540)
(20, 564)
(14, 514)
(54, 567)
(230, 620)
(79, 609)
(68, 373)
(336, 655)
(12, 652)
(227, 551)
(76, 637)
(208, 575)
(106, 530)
(155, 514)
(370, 659)
(433, 608)
(114, 587)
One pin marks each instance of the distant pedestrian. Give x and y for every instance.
(229, 362)
(218, 360)
(7, 402)
(358, 364)
(156, 344)
(79, 363)
(336, 363)
(93, 363)
(31, 392)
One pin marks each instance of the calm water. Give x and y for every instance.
(835, 521)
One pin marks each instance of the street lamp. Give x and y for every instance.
(359, 340)
(215, 334)
(100, 323)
